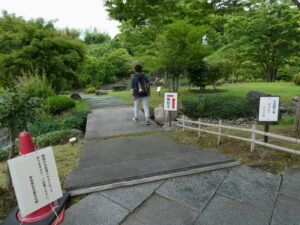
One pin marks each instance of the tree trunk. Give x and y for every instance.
(12, 137)
(202, 88)
(213, 84)
(271, 74)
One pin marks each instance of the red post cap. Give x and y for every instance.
(25, 142)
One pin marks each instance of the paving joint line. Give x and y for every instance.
(271, 218)
(229, 169)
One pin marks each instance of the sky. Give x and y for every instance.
(79, 14)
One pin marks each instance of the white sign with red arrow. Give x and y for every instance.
(170, 103)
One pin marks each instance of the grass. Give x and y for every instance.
(286, 90)
(80, 105)
(267, 159)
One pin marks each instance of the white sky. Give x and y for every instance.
(79, 14)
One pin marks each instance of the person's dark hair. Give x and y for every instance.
(138, 68)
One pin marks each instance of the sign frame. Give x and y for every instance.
(264, 100)
(35, 179)
(170, 101)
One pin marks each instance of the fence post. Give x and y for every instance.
(220, 130)
(183, 122)
(253, 137)
(199, 127)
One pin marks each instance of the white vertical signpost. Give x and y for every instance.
(170, 104)
(35, 180)
(268, 112)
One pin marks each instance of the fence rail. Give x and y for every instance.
(252, 131)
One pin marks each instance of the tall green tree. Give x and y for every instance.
(267, 35)
(179, 48)
(36, 47)
(95, 37)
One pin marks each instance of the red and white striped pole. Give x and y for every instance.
(26, 146)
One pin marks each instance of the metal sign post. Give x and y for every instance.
(170, 104)
(268, 112)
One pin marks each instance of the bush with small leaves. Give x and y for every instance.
(57, 104)
(297, 79)
(218, 107)
(91, 90)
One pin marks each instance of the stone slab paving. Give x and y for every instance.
(175, 201)
(225, 211)
(111, 122)
(95, 209)
(161, 211)
(188, 191)
(251, 186)
(123, 160)
(132, 197)
(286, 212)
(291, 183)
(102, 102)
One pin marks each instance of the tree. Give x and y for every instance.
(198, 75)
(16, 110)
(112, 66)
(179, 48)
(268, 36)
(35, 46)
(96, 37)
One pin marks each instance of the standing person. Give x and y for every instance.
(140, 90)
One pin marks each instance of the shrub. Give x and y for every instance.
(37, 87)
(297, 79)
(75, 120)
(119, 88)
(287, 120)
(44, 126)
(57, 104)
(218, 107)
(91, 90)
(4, 154)
(55, 138)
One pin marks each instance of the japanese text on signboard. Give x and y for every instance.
(268, 109)
(170, 103)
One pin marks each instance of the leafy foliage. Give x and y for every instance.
(95, 37)
(35, 86)
(55, 138)
(179, 48)
(44, 126)
(36, 47)
(267, 35)
(218, 107)
(17, 109)
(57, 104)
(297, 79)
(75, 120)
(91, 90)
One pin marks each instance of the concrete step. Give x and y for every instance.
(141, 168)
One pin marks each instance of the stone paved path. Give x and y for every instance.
(228, 196)
(237, 196)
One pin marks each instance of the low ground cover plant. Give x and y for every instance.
(57, 104)
(218, 107)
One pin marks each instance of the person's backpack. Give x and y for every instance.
(141, 85)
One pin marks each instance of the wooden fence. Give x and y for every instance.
(252, 131)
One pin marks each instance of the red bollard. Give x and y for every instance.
(26, 146)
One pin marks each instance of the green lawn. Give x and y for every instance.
(286, 90)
